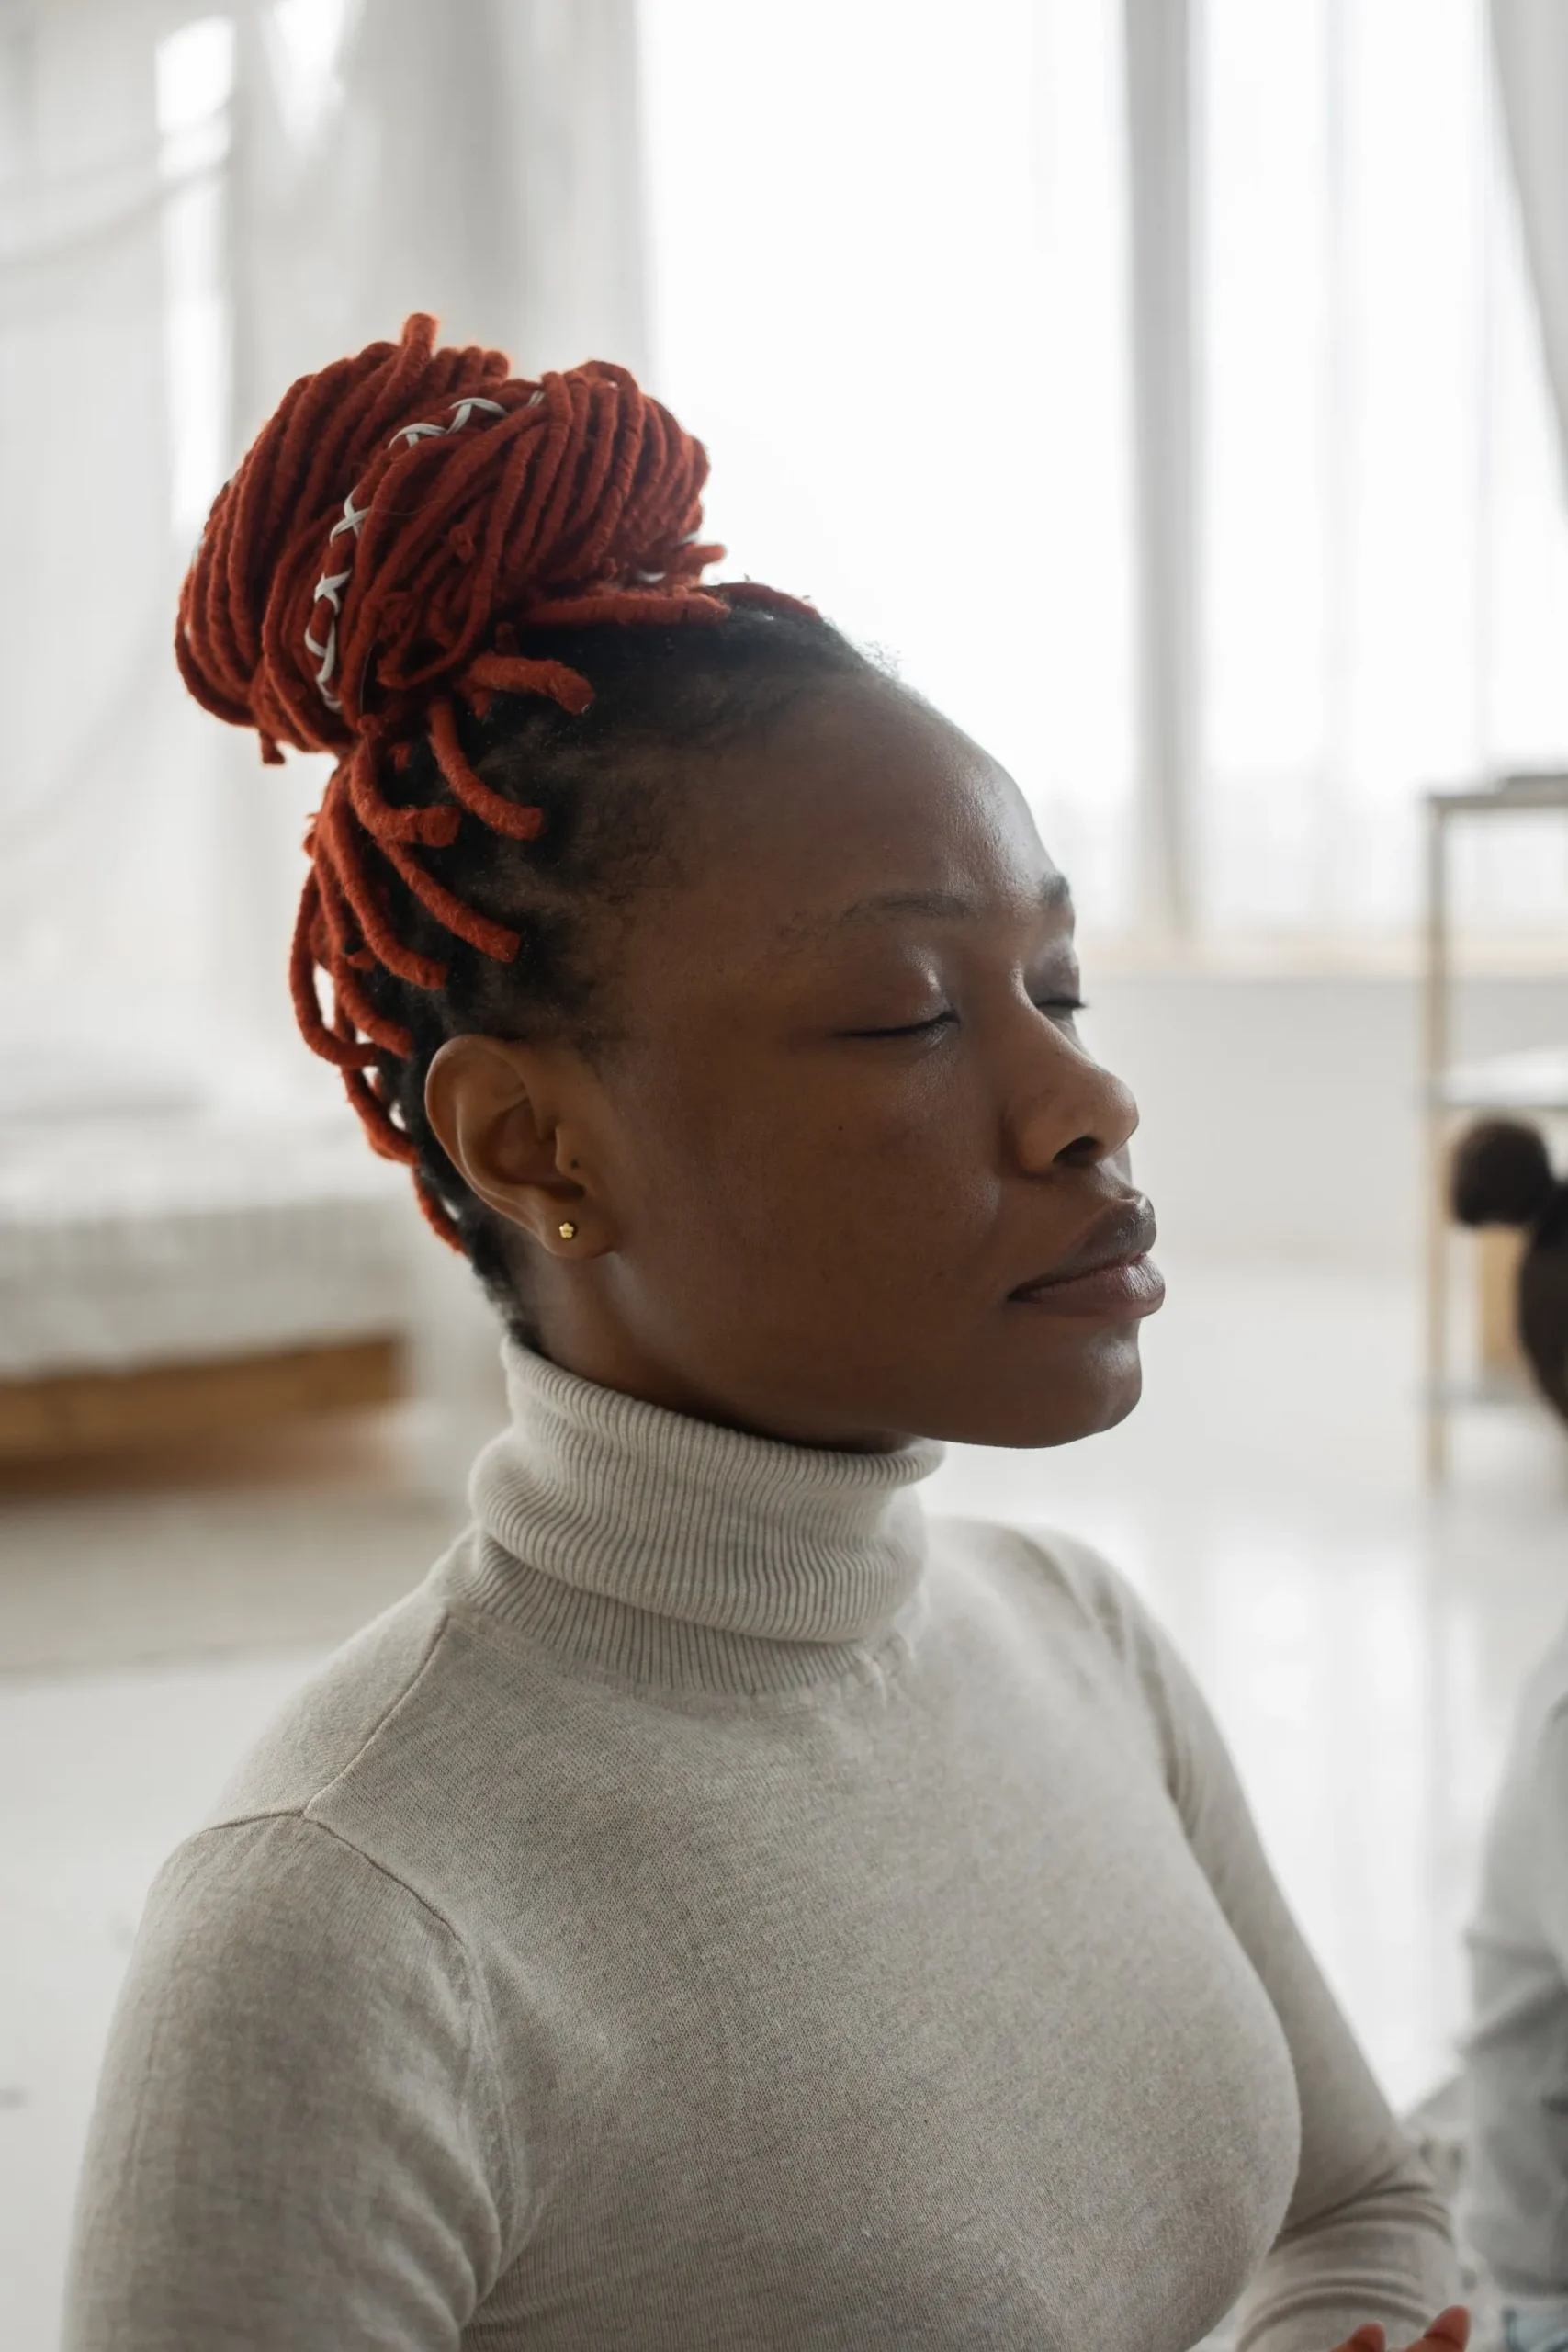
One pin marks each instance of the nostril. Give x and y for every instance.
(1084, 1151)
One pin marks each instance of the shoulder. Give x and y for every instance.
(1053, 1573)
(301, 2066)
(1089, 1609)
(396, 1739)
(274, 1950)
(279, 1902)
(271, 1953)
(336, 1713)
(398, 1761)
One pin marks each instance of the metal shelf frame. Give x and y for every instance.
(1443, 1087)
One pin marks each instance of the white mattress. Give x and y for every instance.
(148, 1236)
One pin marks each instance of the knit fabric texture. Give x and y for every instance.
(725, 1910)
(1516, 2108)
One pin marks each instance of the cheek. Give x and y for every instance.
(840, 1182)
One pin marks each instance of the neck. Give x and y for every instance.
(674, 1548)
(592, 1349)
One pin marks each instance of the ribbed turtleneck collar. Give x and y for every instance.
(676, 1551)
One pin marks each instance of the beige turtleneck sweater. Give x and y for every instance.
(721, 1911)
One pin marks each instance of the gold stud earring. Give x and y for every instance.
(567, 1230)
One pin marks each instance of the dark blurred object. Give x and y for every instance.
(1502, 1174)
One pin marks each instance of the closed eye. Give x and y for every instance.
(1061, 1008)
(911, 1028)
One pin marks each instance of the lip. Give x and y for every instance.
(1107, 1272)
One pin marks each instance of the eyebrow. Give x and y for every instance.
(1054, 891)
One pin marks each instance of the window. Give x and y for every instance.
(890, 268)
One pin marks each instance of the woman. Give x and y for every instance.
(720, 1908)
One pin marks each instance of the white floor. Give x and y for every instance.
(1361, 1644)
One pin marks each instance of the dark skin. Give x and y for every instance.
(844, 1119)
(783, 1221)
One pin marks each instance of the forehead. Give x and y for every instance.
(859, 795)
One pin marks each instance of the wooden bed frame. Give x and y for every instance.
(92, 1412)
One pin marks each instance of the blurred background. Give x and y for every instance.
(1176, 392)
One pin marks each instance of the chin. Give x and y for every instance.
(1080, 1398)
(1117, 1402)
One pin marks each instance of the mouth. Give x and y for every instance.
(1107, 1273)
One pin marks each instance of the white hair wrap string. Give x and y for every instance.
(331, 585)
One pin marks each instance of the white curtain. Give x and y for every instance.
(195, 206)
(890, 282)
(1530, 38)
(1385, 544)
(95, 877)
(888, 259)
(1223, 507)
(479, 159)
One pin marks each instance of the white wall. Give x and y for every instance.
(1280, 1114)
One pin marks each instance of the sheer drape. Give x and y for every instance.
(1386, 558)
(1530, 39)
(889, 291)
(891, 284)
(194, 209)
(947, 304)
(480, 161)
(97, 819)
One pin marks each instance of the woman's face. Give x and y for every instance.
(845, 1174)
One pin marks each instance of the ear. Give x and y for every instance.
(514, 1120)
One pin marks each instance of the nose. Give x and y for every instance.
(1068, 1111)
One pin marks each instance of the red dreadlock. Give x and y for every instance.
(393, 524)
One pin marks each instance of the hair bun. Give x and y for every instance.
(399, 505)
(1501, 1174)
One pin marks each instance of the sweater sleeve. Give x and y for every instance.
(296, 2146)
(1516, 2206)
(1367, 2235)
